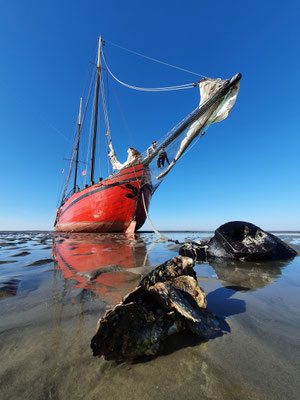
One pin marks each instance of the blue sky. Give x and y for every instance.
(245, 168)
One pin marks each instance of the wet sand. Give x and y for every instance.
(49, 311)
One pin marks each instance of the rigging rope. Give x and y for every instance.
(123, 115)
(107, 139)
(160, 89)
(163, 237)
(154, 59)
(73, 151)
(89, 142)
(83, 119)
(107, 127)
(106, 120)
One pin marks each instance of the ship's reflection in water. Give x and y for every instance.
(49, 313)
(108, 265)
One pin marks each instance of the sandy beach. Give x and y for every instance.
(50, 302)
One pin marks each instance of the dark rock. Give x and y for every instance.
(131, 330)
(239, 240)
(243, 240)
(195, 250)
(176, 266)
(182, 290)
(166, 301)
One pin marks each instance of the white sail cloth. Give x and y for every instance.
(219, 111)
(209, 87)
(133, 157)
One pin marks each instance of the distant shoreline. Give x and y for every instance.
(164, 231)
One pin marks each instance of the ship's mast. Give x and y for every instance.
(77, 144)
(95, 112)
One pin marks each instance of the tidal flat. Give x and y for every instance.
(55, 287)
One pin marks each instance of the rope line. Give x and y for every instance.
(163, 237)
(160, 89)
(154, 59)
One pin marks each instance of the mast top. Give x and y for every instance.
(99, 51)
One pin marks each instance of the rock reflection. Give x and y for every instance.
(248, 275)
(9, 288)
(108, 265)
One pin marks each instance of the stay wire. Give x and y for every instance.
(155, 60)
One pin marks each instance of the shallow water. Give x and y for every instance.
(49, 312)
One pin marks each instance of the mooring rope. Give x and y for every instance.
(163, 237)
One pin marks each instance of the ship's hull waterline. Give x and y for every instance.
(110, 205)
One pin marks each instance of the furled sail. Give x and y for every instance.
(210, 86)
(217, 100)
(134, 157)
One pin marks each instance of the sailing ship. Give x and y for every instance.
(120, 203)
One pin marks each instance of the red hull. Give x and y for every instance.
(108, 206)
